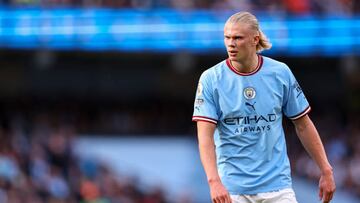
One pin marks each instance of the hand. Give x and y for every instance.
(218, 192)
(326, 187)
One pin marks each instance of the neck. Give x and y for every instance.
(246, 66)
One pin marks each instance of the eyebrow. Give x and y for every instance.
(233, 36)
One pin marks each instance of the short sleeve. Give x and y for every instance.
(295, 104)
(204, 105)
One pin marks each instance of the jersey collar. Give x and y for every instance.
(260, 62)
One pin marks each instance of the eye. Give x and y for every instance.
(227, 37)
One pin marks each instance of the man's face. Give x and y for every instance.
(240, 41)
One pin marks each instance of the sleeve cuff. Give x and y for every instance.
(203, 118)
(303, 113)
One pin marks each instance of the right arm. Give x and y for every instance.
(218, 192)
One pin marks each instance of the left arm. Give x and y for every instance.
(310, 139)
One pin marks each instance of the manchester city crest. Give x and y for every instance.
(249, 93)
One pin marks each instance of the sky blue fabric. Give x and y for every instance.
(248, 110)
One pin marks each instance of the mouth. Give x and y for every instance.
(232, 53)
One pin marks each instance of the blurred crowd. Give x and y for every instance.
(37, 162)
(287, 6)
(37, 165)
(341, 138)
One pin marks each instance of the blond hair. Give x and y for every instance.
(250, 19)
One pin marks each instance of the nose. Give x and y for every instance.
(231, 43)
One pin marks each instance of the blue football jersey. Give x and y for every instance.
(247, 109)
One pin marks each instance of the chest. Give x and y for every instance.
(254, 95)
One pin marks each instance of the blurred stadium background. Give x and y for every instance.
(96, 95)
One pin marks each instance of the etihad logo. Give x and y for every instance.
(251, 124)
(255, 119)
(252, 129)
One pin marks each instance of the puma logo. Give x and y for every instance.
(250, 105)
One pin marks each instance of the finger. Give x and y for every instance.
(228, 198)
(331, 195)
(327, 197)
(321, 193)
(219, 199)
(224, 199)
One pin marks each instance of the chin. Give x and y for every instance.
(233, 58)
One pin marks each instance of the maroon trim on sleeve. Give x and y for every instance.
(303, 113)
(203, 118)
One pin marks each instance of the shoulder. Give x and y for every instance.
(278, 67)
(274, 64)
(213, 73)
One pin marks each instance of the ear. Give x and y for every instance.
(256, 39)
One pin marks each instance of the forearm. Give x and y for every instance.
(207, 150)
(310, 139)
(208, 159)
(218, 192)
